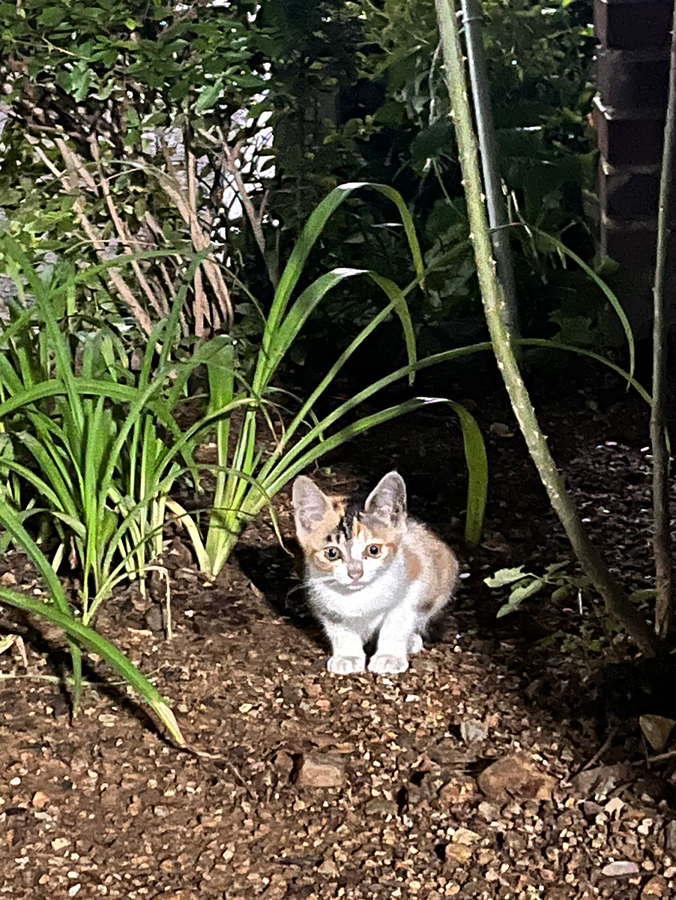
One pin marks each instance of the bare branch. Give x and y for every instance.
(99, 245)
(131, 246)
(202, 241)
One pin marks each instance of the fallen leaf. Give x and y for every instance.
(657, 731)
(501, 430)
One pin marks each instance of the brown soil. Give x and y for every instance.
(106, 807)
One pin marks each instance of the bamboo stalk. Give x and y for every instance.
(658, 417)
(616, 602)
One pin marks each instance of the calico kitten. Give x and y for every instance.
(371, 571)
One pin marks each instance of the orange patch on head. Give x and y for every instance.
(339, 504)
(321, 562)
(315, 540)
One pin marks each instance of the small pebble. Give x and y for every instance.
(616, 869)
(40, 800)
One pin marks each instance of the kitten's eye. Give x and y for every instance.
(373, 551)
(332, 554)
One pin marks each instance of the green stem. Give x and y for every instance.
(617, 604)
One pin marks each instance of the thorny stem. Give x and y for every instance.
(658, 437)
(617, 604)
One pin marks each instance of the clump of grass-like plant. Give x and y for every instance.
(247, 475)
(58, 611)
(85, 437)
(105, 445)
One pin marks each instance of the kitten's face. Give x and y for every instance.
(350, 545)
(356, 549)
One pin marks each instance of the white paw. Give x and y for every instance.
(346, 665)
(386, 664)
(415, 644)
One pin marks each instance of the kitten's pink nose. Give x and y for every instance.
(355, 572)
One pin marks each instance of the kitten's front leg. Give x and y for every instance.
(397, 637)
(348, 654)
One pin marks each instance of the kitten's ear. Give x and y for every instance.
(310, 505)
(387, 501)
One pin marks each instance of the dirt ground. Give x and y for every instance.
(498, 766)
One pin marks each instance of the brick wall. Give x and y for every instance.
(632, 71)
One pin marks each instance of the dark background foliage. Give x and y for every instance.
(350, 91)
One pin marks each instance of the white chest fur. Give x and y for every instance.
(365, 603)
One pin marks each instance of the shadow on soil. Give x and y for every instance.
(276, 575)
(62, 701)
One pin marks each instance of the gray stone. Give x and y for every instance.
(472, 731)
(602, 779)
(615, 869)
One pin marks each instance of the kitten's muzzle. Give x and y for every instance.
(355, 570)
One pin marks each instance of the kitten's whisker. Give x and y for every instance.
(302, 585)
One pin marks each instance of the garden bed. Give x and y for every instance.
(306, 784)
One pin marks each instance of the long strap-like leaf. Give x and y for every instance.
(89, 638)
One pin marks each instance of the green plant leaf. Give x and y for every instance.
(557, 567)
(609, 293)
(643, 595)
(522, 591)
(506, 576)
(311, 232)
(477, 464)
(209, 97)
(92, 641)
